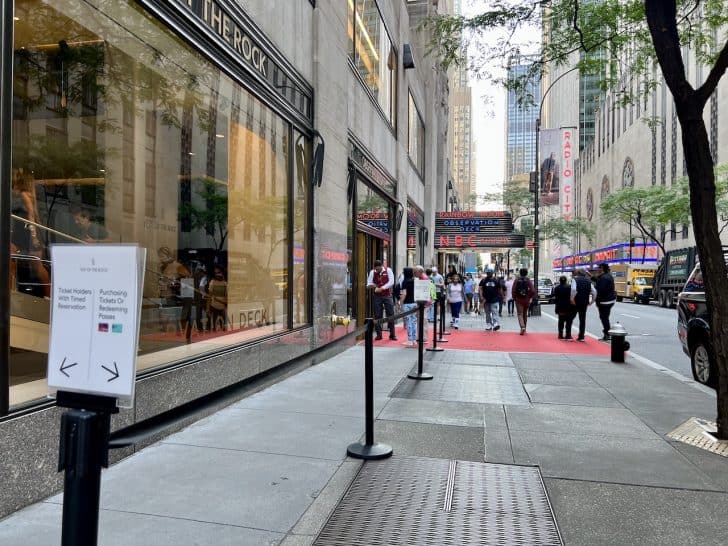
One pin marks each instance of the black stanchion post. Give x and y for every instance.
(83, 451)
(369, 450)
(434, 348)
(443, 308)
(420, 344)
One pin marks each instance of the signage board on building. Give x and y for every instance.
(551, 167)
(229, 26)
(473, 222)
(473, 241)
(94, 328)
(569, 149)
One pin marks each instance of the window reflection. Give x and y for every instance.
(122, 133)
(373, 55)
(416, 136)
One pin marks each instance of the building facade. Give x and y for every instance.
(265, 153)
(461, 128)
(636, 144)
(522, 107)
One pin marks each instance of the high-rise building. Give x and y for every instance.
(521, 113)
(461, 128)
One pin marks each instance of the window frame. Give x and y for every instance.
(420, 169)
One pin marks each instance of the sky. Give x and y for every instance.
(489, 107)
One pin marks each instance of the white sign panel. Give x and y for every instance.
(422, 290)
(95, 308)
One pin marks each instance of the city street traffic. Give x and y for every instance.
(652, 332)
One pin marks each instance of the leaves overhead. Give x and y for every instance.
(609, 39)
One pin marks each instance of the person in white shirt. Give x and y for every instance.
(509, 295)
(455, 298)
(380, 281)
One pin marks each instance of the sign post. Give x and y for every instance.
(94, 331)
(422, 295)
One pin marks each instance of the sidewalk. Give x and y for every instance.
(272, 468)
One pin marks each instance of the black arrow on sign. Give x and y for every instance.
(114, 373)
(64, 368)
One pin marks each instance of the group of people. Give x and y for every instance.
(574, 299)
(488, 294)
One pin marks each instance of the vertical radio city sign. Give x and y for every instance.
(567, 175)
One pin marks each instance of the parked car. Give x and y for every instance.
(546, 290)
(693, 328)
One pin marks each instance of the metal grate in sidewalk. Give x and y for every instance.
(420, 501)
(699, 433)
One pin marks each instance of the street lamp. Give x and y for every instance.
(536, 311)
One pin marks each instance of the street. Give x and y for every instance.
(652, 332)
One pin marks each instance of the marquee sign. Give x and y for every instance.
(467, 241)
(468, 222)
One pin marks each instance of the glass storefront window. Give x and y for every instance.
(373, 54)
(122, 133)
(416, 136)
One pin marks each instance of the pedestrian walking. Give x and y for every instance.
(476, 293)
(439, 282)
(582, 296)
(455, 298)
(523, 293)
(502, 295)
(469, 286)
(407, 301)
(565, 310)
(380, 281)
(606, 298)
(490, 294)
(510, 304)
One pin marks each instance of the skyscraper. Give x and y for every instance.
(521, 113)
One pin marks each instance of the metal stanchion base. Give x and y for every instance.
(445, 334)
(434, 349)
(423, 376)
(440, 340)
(369, 452)
(536, 311)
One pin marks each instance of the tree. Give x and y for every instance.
(622, 41)
(648, 208)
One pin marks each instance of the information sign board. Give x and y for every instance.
(95, 309)
(422, 290)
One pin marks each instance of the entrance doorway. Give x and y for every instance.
(369, 247)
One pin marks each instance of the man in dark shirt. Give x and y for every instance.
(606, 298)
(490, 294)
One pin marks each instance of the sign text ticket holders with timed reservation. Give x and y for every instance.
(94, 331)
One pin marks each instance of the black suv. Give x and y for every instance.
(693, 329)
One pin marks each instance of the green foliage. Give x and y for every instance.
(566, 231)
(608, 38)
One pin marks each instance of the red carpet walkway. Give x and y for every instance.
(509, 342)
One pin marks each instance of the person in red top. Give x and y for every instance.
(523, 293)
(380, 281)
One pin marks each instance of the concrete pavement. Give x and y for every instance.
(272, 468)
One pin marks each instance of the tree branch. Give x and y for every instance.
(716, 73)
(661, 20)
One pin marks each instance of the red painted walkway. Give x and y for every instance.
(509, 342)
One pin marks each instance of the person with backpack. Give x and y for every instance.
(564, 308)
(490, 294)
(606, 298)
(523, 293)
(583, 295)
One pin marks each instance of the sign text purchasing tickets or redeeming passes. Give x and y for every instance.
(95, 310)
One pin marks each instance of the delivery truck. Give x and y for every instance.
(633, 281)
(672, 274)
